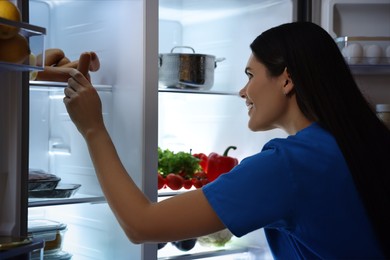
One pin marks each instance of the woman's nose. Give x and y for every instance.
(242, 92)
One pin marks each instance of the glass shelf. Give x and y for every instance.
(21, 252)
(196, 91)
(229, 251)
(35, 36)
(77, 199)
(56, 86)
(167, 192)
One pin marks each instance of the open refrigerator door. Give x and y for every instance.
(361, 29)
(123, 39)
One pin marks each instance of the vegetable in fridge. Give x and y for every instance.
(219, 164)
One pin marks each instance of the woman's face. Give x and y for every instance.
(265, 97)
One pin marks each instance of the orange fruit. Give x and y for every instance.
(10, 12)
(14, 50)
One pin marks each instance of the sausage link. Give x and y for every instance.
(84, 62)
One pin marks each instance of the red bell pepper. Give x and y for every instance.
(219, 164)
(203, 160)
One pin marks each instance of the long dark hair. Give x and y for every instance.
(327, 93)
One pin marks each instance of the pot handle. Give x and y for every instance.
(183, 47)
(218, 60)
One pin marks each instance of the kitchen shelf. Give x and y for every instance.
(35, 35)
(77, 199)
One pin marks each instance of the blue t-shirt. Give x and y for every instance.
(299, 189)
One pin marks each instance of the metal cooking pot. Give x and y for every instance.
(187, 70)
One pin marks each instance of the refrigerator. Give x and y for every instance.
(143, 114)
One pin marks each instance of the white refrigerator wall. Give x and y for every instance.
(225, 29)
(115, 30)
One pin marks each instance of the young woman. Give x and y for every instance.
(322, 192)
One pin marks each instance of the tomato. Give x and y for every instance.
(204, 181)
(174, 181)
(197, 183)
(187, 184)
(160, 181)
(200, 175)
(203, 160)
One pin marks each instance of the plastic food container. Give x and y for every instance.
(51, 231)
(41, 180)
(60, 255)
(61, 191)
(365, 50)
(383, 112)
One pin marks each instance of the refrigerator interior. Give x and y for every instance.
(203, 123)
(115, 31)
(212, 122)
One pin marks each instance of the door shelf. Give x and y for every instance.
(21, 252)
(378, 69)
(35, 36)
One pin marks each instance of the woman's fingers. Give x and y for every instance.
(78, 79)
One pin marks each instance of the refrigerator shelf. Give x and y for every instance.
(378, 69)
(166, 192)
(195, 91)
(35, 36)
(21, 252)
(56, 86)
(77, 199)
(25, 28)
(219, 253)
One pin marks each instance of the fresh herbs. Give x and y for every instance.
(179, 163)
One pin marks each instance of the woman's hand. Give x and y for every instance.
(83, 104)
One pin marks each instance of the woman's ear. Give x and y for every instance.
(288, 86)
